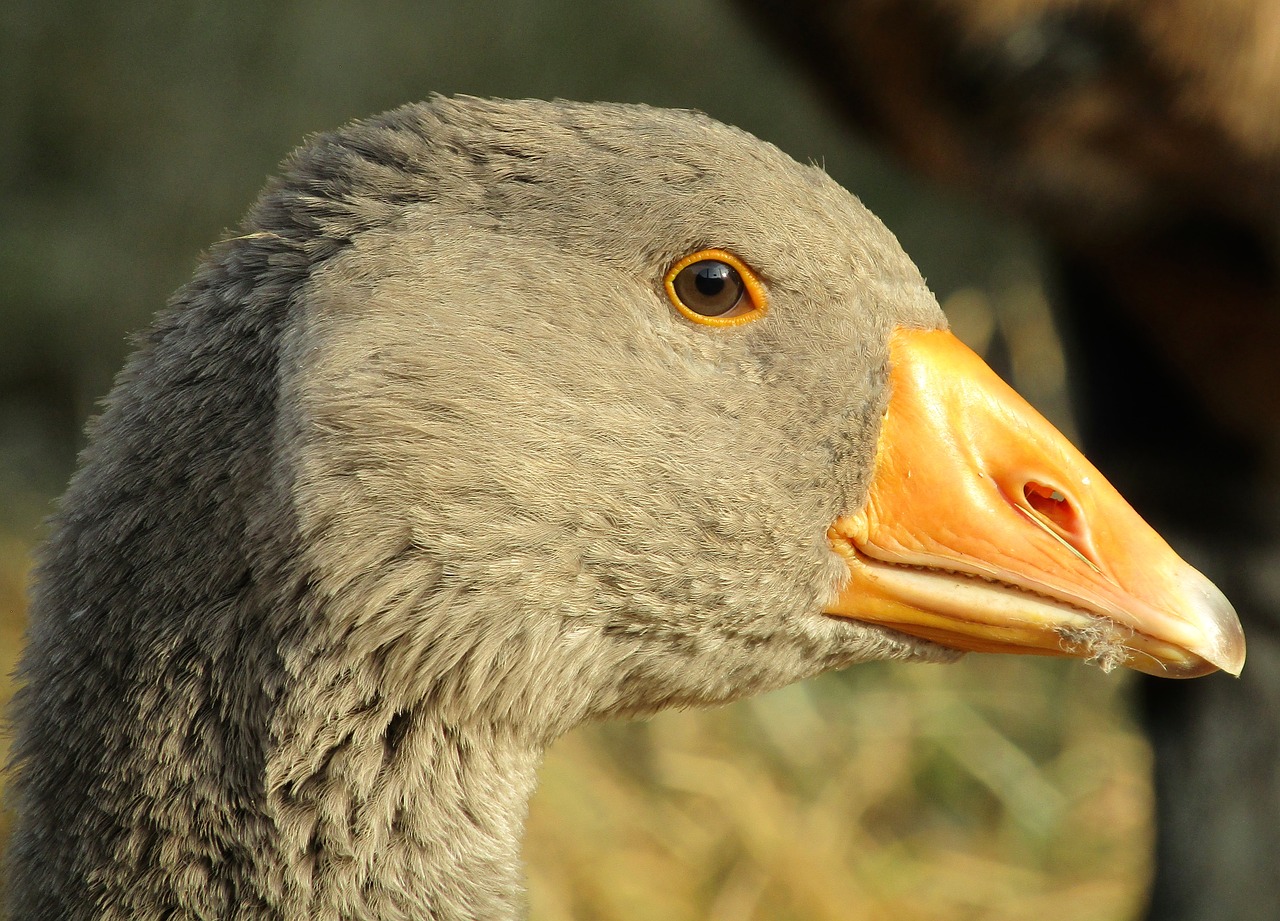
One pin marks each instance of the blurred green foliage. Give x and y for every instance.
(136, 133)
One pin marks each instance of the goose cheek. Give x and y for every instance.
(985, 530)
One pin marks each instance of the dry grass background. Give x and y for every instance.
(908, 793)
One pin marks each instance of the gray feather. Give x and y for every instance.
(419, 472)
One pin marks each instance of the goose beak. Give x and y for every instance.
(985, 530)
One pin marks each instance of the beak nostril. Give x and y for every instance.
(1054, 511)
(1051, 505)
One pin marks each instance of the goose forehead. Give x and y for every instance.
(832, 295)
(785, 220)
(632, 184)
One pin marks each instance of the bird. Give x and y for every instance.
(493, 418)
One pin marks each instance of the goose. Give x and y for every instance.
(493, 418)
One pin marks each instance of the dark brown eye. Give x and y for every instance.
(715, 288)
(710, 287)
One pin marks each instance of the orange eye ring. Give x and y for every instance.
(723, 268)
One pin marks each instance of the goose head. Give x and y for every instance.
(494, 418)
(503, 390)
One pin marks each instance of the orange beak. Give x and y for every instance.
(985, 530)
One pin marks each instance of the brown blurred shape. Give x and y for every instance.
(1123, 129)
(1142, 139)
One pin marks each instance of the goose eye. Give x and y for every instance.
(710, 287)
(715, 288)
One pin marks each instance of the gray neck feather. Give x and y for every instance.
(401, 817)
(213, 736)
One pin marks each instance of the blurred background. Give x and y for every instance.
(136, 133)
